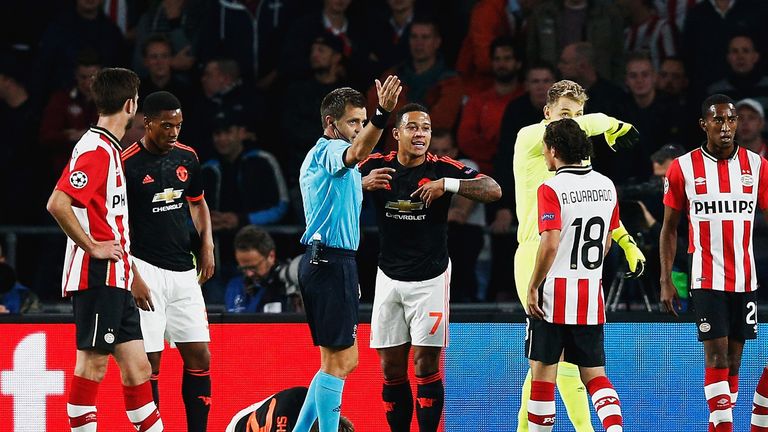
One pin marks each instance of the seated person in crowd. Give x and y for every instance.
(15, 298)
(69, 113)
(284, 405)
(265, 284)
(426, 79)
(157, 55)
(751, 125)
(745, 78)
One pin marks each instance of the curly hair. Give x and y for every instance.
(566, 88)
(571, 143)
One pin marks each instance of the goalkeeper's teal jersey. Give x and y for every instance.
(531, 171)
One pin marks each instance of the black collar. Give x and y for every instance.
(112, 139)
(715, 158)
(573, 169)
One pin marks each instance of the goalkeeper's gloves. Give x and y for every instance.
(622, 136)
(633, 254)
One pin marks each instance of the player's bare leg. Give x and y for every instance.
(716, 388)
(541, 405)
(604, 398)
(396, 392)
(134, 372)
(196, 384)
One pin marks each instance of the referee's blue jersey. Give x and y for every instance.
(332, 194)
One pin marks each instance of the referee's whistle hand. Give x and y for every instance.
(377, 179)
(109, 249)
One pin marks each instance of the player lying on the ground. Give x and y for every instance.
(577, 210)
(277, 413)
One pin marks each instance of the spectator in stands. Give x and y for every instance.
(466, 222)
(652, 112)
(181, 22)
(250, 32)
(393, 31)
(490, 20)
(15, 298)
(744, 78)
(674, 11)
(85, 26)
(480, 123)
(242, 186)
(334, 19)
(125, 15)
(751, 125)
(648, 31)
(264, 283)
(157, 54)
(556, 24)
(426, 79)
(523, 111)
(223, 90)
(69, 113)
(22, 187)
(707, 32)
(672, 78)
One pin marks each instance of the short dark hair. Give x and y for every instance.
(335, 103)
(157, 38)
(160, 101)
(538, 65)
(409, 107)
(425, 20)
(570, 141)
(251, 237)
(640, 55)
(715, 99)
(112, 87)
(504, 41)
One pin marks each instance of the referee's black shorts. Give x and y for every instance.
(331, 294)
(104, 318)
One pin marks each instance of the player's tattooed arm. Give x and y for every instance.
(482, 189)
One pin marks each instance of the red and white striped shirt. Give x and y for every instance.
(95, 181)
(720, 197)
(582, 204)
(675, 10)
(657, 35)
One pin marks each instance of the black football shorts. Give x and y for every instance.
(725, 314)
(104, 318)
(581, 345)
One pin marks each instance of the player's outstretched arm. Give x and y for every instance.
(668, 249)
(545, 256)
(618, 134)
(481, 189)
(632, 252)
(363, 144)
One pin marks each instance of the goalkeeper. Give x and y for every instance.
(565, 99)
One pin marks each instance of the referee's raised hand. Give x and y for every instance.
(388, 92)
(109, 249)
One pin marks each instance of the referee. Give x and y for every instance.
(331, 189)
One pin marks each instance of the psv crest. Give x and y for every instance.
(182, 173)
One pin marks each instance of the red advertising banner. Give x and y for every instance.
(248, 363)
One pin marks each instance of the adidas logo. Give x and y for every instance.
(337, 409)
(147, 179)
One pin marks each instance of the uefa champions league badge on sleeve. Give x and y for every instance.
(78, 179)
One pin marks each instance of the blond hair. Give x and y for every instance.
(568, 89)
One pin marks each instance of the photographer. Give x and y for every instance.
(265, 285)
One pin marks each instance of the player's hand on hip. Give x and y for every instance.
(533, 304)
(670, 301)
(141, 295)
(207, 264)
(110, 250)
(430, 191)
(388, 92)
(378, 179)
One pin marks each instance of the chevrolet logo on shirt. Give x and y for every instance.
(168, 195)
(404, 206)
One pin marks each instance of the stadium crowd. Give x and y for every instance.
(250, 76)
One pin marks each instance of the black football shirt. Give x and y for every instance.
(278, 413)
(413, 239)
(159, 187)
